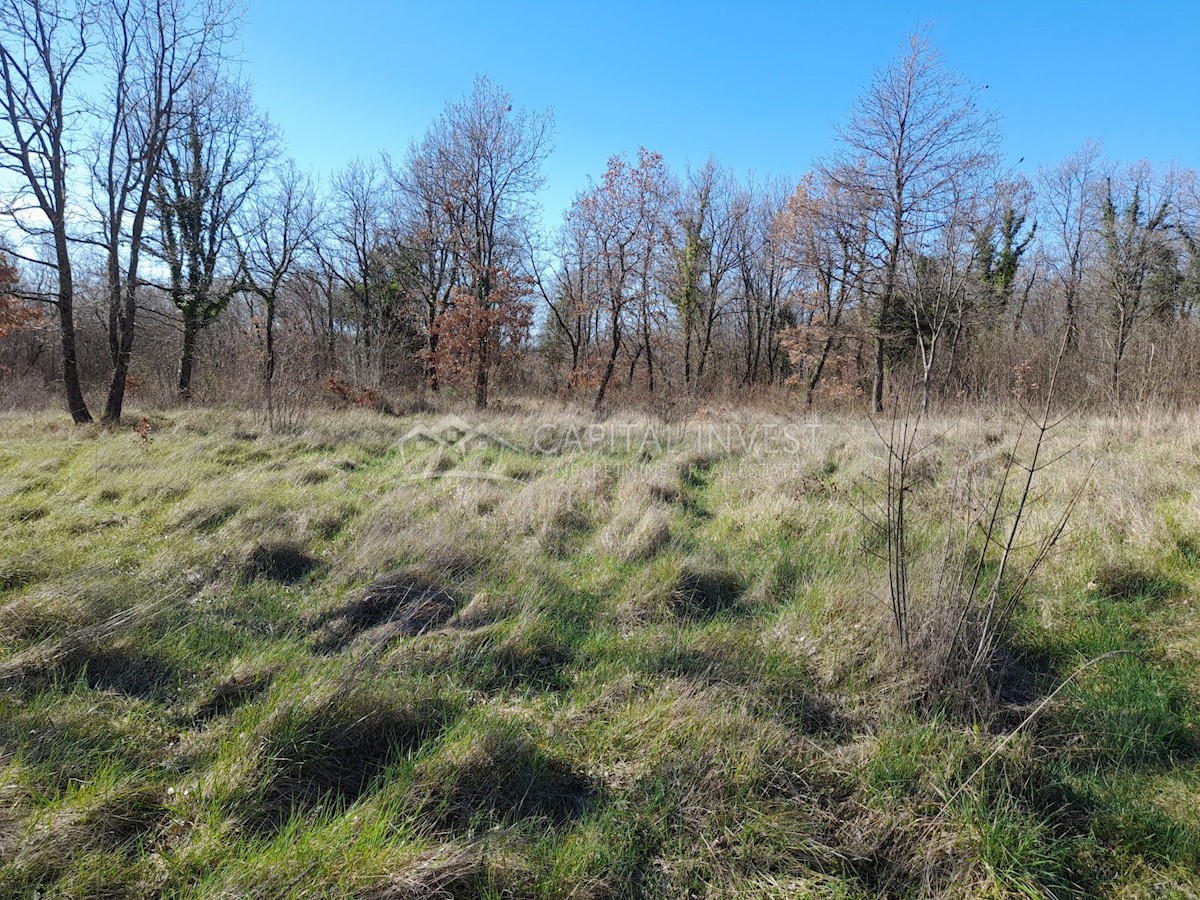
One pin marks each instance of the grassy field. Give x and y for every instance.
(529, 660)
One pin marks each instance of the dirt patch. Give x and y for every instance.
(390, 607)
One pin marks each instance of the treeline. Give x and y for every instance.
(152, 215)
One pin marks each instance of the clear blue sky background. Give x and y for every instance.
(759, 85)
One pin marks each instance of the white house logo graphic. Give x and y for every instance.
(452, 437)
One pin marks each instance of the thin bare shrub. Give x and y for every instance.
(953, 603)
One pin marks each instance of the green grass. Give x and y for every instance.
(323, 663)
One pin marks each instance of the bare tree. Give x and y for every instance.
(210, 165)
(915, 139)
(823, 232)
(566, 285)
(42, 45)
(428, 216)
(276, 234)
(154, 47)
(620, 223)
(358, 256)
(1137, 217)
(763, 282)
(489, 156)
(933, 287)
(709, 218)
(1068, 192)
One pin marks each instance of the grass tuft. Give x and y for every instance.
(391, 606)
(1121, 582)
(496, 773)
(281, 561)
(704, 592)
(331, 751)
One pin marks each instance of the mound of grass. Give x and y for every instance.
(331, 751)
(281, 561)
(22, 570)
(518, 655)
(89, 842)
(704, 592)
(495, 774)
(232, 692)
(1188, 547)
(122, 668)
(398, 604)
(1121, 582)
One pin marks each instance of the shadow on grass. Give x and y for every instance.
(387, 608)
(333, 752)
(278, 561)
(702, 593)
(1128, 719)
(1120, 582)
(530, 656)
(499, 776)
(70, 743)
(230, 694)
(774, 686)
(120, 668)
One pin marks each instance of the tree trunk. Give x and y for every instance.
(633, 361)
(1072, 326)
(1125, 326)
(646, 345)
(124, 297)
(1116, 378)
(330, 335)
(66, 320)
(815, 378)
(481, 373)
(574, 366)
(187, 355)
(609, 367)
(481, 387)
(431, 374)
(952, 360)
(889, 290)
(711, 321)
(877, 385)
(124, 353)
(269, 363)
(687, 348)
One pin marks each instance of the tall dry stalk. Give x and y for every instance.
(954, 624)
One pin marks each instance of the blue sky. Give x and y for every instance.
(759, 85)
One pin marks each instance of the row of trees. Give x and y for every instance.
(145, 195)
